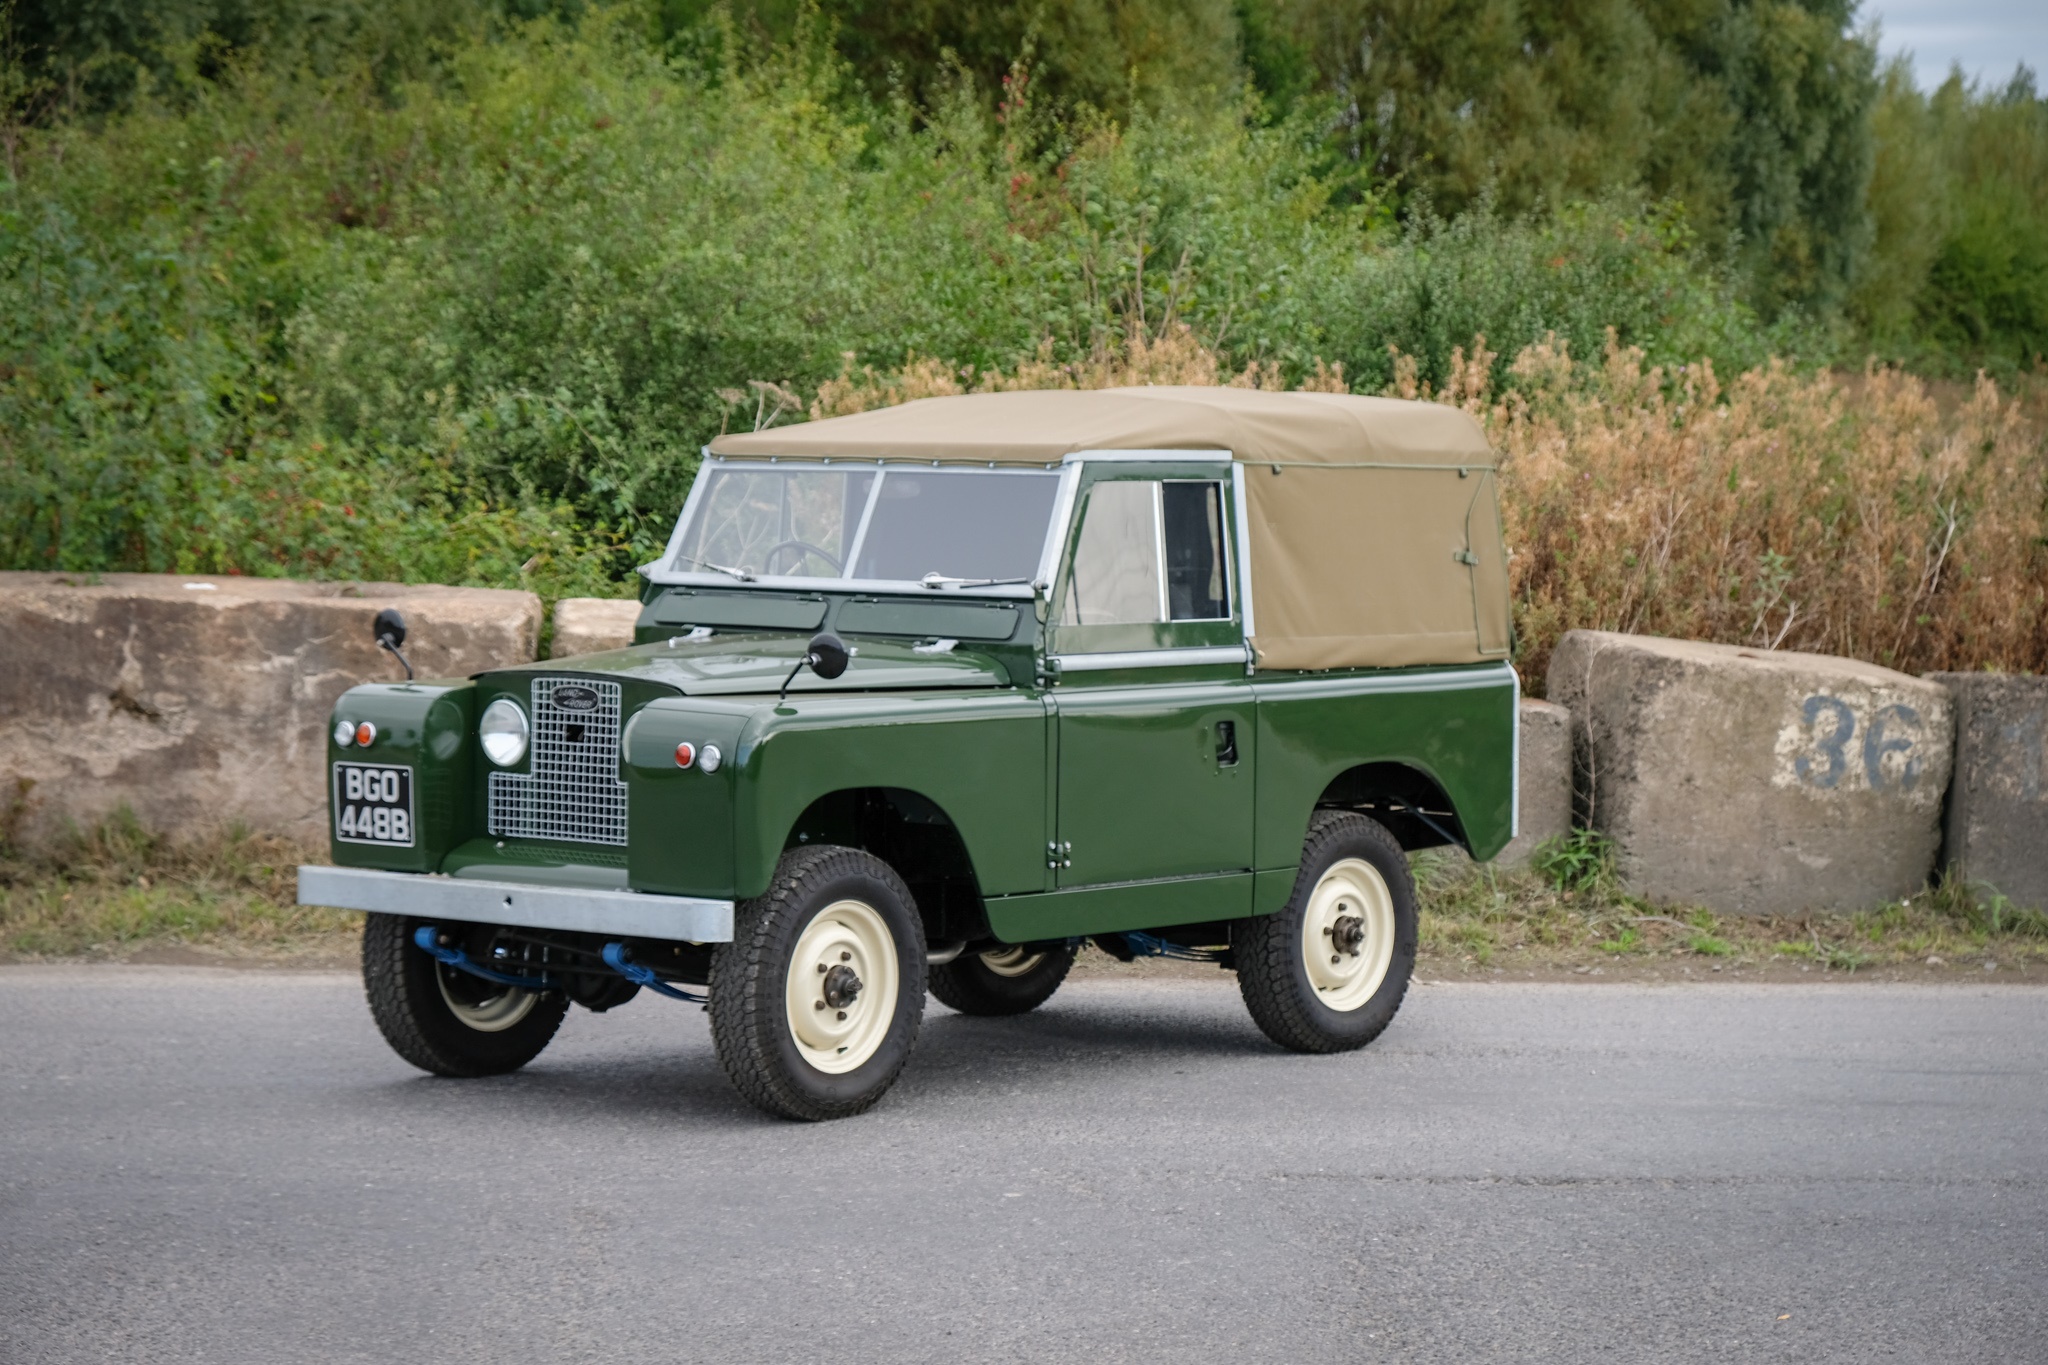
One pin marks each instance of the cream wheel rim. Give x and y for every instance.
(1347, 935)
(842, 986)
(1011, 961)
(493, 1013)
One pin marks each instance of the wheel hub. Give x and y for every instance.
(1347, 933)
(841, 987)
(1347, 942)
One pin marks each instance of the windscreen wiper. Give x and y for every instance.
(939, 580)
(741, 574)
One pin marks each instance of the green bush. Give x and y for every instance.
(474, 325)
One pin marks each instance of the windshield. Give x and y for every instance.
(899, 523)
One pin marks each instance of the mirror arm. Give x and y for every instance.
(384, 642)
(807, 659)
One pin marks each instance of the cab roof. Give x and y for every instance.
(1045, 426)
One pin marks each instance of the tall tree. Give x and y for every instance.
(1753, 113)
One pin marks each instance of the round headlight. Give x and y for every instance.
(503, 732)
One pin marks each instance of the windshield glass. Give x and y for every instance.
(901, 523)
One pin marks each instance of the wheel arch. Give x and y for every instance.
(1406, 797)
(917, 838)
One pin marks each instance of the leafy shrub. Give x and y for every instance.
(1579, 861)
(475, 327)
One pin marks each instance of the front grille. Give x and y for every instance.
(572, 792)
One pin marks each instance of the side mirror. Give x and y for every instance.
(389, 630)
(828, 655)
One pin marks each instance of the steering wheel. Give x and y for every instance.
(768, 560)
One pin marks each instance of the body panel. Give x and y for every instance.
(979, 758)
(1143, 792)
(1457, 726)
(543, 864)
(427, 728)
(1108, 909)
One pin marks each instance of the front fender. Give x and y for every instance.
(424, 727)
(980, 757)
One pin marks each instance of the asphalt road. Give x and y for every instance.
(222, 1166)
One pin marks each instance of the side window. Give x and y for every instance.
(1196, 575)
(1150, 551)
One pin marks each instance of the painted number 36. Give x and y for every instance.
(1832, 725)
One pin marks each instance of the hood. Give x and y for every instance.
(729, 665)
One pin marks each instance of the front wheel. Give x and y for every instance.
(1327, 972)
(447, 1021)
(816, 1002)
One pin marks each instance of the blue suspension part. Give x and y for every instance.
(619, 958)
(428, 937)
(1145, 945)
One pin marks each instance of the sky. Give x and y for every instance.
(1987, 37)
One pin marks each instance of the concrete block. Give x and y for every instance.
(586, 625)
(1752, 781)
(1996, 828)
(200, 701)
(1546, 780)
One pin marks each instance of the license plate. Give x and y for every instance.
(373, 804)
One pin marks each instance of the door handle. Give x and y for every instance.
(1226, 743)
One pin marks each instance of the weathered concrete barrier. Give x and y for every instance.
(200, 701)
(1546, 788)
(585, 625)
(1996, 829)
(1752, 781)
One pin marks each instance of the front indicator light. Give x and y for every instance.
(344, 734)
(366, 734)
(503, 732)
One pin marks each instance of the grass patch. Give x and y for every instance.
(1566, 911)
(118, 888)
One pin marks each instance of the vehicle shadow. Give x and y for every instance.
(1078, 1043)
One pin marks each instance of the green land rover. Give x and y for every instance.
(922, 699)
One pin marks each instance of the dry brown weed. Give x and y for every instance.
(1780, 510)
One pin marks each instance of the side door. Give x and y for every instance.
(1152, 699)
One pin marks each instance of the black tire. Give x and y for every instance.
(1003, 980)
(412, 998)
(754, 979)
(1272, 964)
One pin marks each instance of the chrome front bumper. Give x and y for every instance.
(629, 914)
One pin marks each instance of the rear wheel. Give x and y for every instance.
(816, 1002)
(445, 1020)
(1010, 980)
(1327, 972)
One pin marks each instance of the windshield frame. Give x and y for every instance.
(664, 571)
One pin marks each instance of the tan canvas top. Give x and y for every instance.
(1374, 528)
(1041, 426)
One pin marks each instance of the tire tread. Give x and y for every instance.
(747, 988)
(397, 1006)
(1266, 950)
